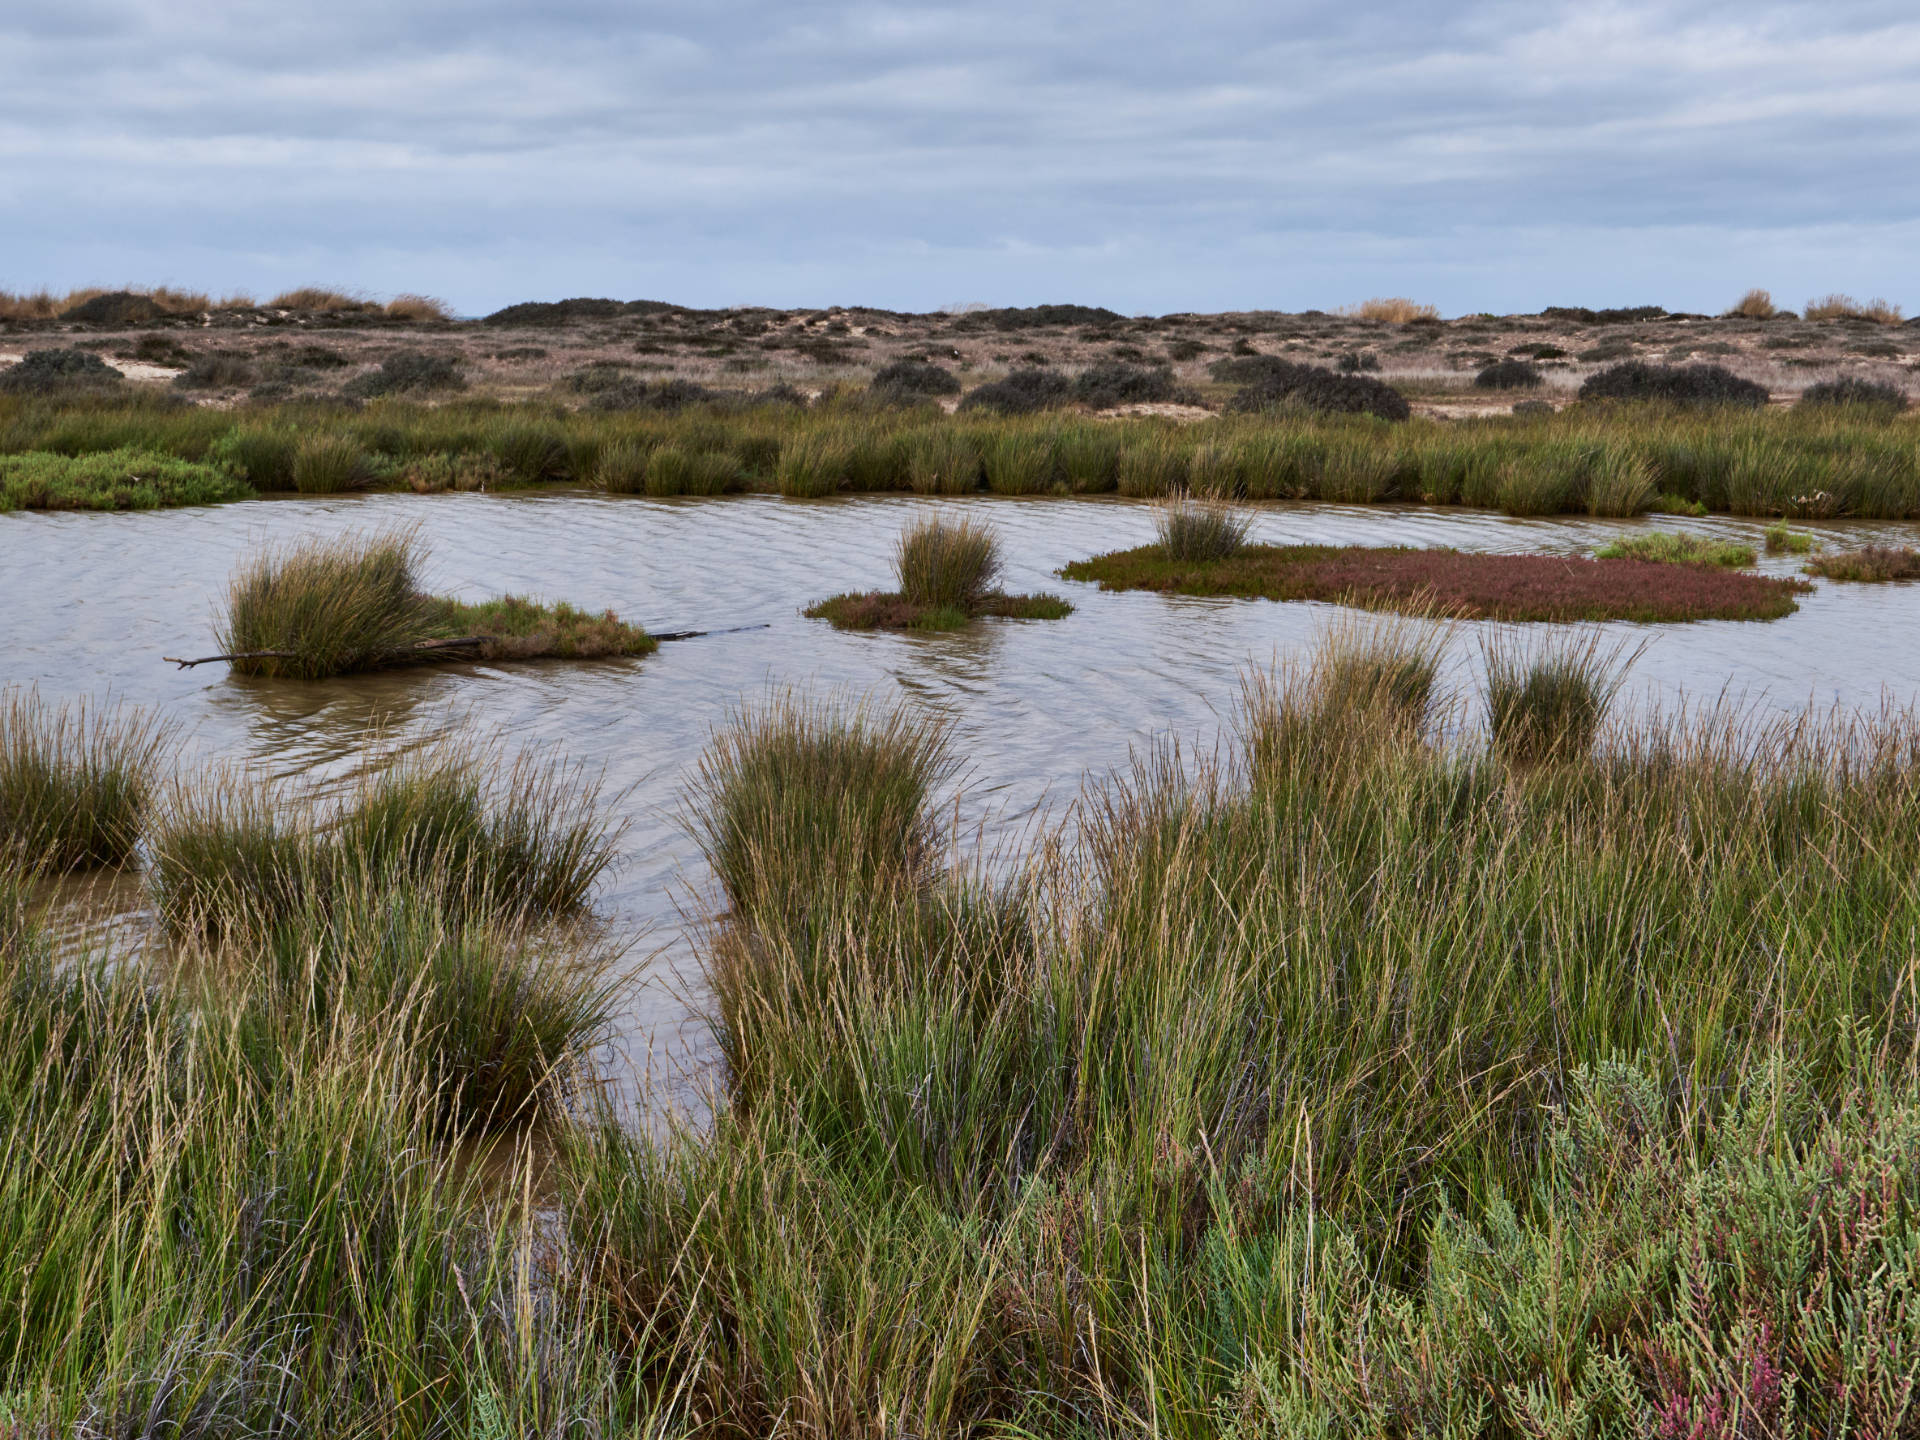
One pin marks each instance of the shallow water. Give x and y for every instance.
(94, 601)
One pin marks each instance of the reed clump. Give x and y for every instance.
(1545, 705)
(947, 573)
(1201, 530)
(1870, 563)
(75, 780)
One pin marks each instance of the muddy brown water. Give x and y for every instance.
(92, 603)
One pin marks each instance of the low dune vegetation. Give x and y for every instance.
(1857, 457)
(337, 605)
(1674, 547)
(948, 572)
(127, 479)
(1468, 585)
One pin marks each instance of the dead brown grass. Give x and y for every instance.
(1845, 307)
(43, 304)
(319, 298)
(1394, 310)
(1756, 304)
(418, 307)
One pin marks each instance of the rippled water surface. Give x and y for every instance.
(92, 603)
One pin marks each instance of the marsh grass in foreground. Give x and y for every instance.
(1672, 547)
(75, 780)
(1545, 704)
(1470, 586)
(332, 606)
(1869, 563)
(946, 573)
(126, 479)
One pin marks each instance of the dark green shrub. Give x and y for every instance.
(906, 381)
(1107, 383)
(260, 455)
(1022, 393)
(220, 370)
(531, 452)
(409, 372)
(1851, 391)
(1674, 384)
(1282, 384)
(1508, 375)
(51, 372)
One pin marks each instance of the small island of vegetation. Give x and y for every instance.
(1202, 550)
(947, 573)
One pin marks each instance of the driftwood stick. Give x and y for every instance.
(238, 655)
(701, 634)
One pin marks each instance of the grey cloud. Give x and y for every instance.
(1300, 153)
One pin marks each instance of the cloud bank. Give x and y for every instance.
(1149, 157)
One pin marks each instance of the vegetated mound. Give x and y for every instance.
(217, 370)
(409, 372)
(911, 380)
(1034, 317)
(1275, 384)
(48, 372)
(1617, 316)
(1108, 383)
(1477, 587)
(118, 307)
(561, 312)
(1022, 393)
(340, 604)
(632, 393)
(1674, 384)
(947, 573)
(1671, 547)
(125, 479)
(1509, 375)
(1850, 391)
(1870, 563)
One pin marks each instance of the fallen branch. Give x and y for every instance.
(701, 634)
(238, 655)
(462, 642)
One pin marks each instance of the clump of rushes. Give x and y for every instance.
(1870, 563)
(1366, 683)
(673, 471)
(1784, 539)
(1673, 547)
(328, 465)
(1545, 704)
(800, 798)
(1470, 586)
(942, 460)
(75, 780)
(620, 467)
(333, 606)
(234, 855)
(946, 574)
(812, 466)
(1200, 530)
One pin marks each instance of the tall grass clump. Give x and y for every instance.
(1151, 468)
(75, 780)
(799, 798)
(1020, 460)
(264, 456)
(324, 607)
(947, 564)
(1545, 705)
(1756, 304)
(328, 465)
(1200, 530)
(1368, 681)
(813, 465)
(1782, 538)
(1845, 307)
(620, 466)
(942, 460)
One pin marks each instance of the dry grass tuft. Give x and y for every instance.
(319, 299)
(1394, 310)
(418, 307)
(1756, 304)
(1845, 307)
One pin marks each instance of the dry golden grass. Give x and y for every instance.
(418, 307)
(317, 297)
(1845, 307)
(43, 304)
(1395, 310)
(1756, 304)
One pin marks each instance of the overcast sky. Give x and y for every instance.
(1150, 157)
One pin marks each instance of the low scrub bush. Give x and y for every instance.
(1201, 530)
(409, 372)
(1023, 392)
(910, 381)
(1852, 392)
(1509, 375)
(1674, 384)
(55, 372)
(1283, 385)
(1110, 383)
(75, 780)
(218, 370)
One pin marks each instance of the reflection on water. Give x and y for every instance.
(94, 601)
